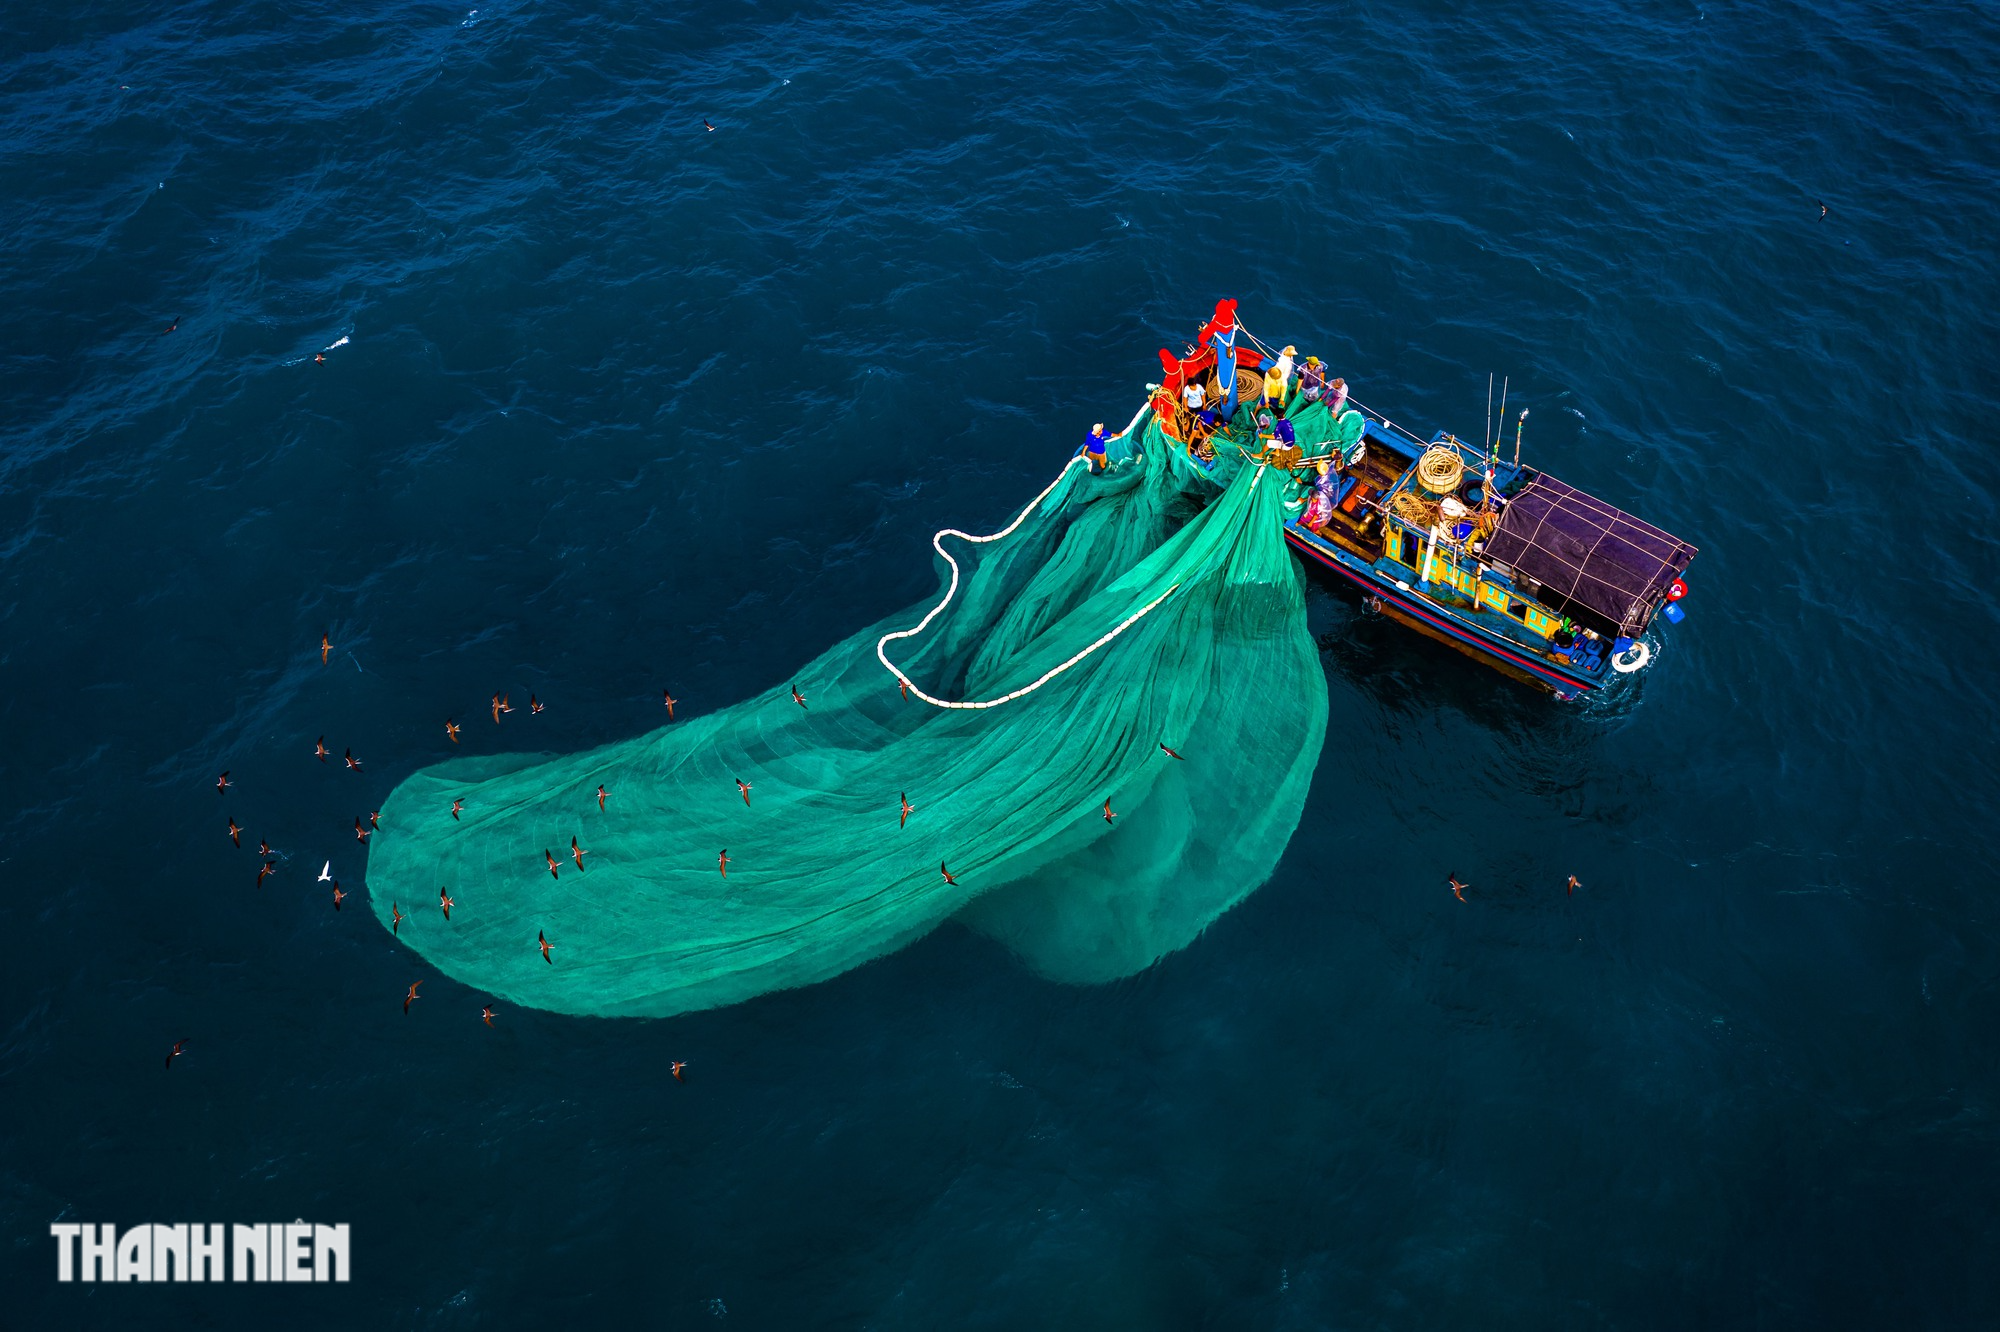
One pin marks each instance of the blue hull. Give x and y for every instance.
(1496, 650)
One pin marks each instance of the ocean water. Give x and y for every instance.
(611, 402)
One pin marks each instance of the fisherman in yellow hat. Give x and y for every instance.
(1276, 381)
(1312, 379)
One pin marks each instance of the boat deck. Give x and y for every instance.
(1357, 528)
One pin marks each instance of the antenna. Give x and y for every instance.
(1489, 410)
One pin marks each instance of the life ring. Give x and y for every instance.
(1636, 659)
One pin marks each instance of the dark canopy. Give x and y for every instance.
(1601, 567)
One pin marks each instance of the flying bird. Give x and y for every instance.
(325, 873)
(722, 862)
(319, 749)
(412, 996)
(1573, 885)
(361, 834)
(704, 124)
(505, 706)
(263, 871)
(743, 789)
(1457, 888)
(552, 863)
(235, 833)
(325, 646)
(338, 895)
(947, 874)
(182, 1045)
(908, 808)
(543, 941)
(1822, 217)
(496, 708)
(669, 700)
(577, 853)
(445, 901)
(903, 685)
(797, 697)
(263, 847)
(177, 319)
(222, 782)
(486, 1014)
(1108, 815)
(451, 729)
(319, 358)
(456, 806)
(1170, 753)
(375, 820)
(676, 1068)
(395, 919)
(534, 705)
(353, 763)
(600, 797)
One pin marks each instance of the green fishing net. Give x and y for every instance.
(1154, 604)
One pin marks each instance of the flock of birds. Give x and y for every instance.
(501, 704)
(366, 826)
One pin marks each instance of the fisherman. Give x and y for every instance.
(1093, 448)
(1279, 439)
(1201, 441)
(1319, 509)
(1338, 399)
(1194, 395)
(1564, 638)
(1202, 424)
(1208, 424)
(1274, 389)
(1312, 379)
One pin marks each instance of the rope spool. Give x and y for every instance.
(1414, 509)
(1440, 470)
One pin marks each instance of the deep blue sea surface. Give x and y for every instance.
(612, 403)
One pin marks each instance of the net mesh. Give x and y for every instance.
(822, 875)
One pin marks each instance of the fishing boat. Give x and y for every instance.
(1502, 561)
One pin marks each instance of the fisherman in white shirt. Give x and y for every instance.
(1194, 395)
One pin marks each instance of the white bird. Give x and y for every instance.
(325, 872)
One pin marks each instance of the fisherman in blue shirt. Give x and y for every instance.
(1093, 448)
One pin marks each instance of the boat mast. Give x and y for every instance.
(1489, 409)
